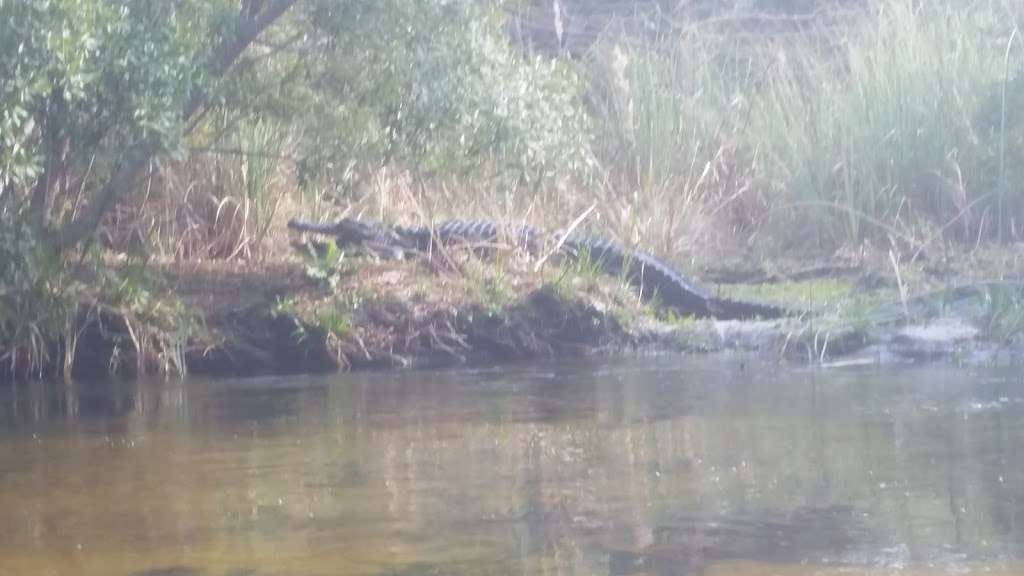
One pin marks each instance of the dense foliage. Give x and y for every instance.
(101, 99)
(93, 87)
(85, 82)
(435, 86)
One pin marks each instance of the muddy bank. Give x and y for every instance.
(544, 324)
(395, 334)
(284, 318)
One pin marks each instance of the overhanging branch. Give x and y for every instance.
(254, 18)
(228, 52)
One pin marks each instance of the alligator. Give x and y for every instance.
(650, 275)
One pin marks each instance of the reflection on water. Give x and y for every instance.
(649, 466)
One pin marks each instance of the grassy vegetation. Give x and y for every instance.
(886, 123)
(49, 314)
(35, 305)
(883, 134)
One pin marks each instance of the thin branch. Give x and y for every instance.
(282, 45)
(240, 152)
(228, 52)
(123, 179)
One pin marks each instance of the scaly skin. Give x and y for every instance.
(649, 274)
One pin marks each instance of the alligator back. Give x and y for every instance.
(325, 228)
(473, 232)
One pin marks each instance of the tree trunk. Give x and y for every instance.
(55, 155)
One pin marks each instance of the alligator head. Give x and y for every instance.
(349, 231)
(352, 231)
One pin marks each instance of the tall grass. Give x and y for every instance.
(668, 116)
(885, 132)
(221, 202)
(891, 124)
(263, 143)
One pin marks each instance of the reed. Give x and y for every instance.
(891, 121)
(888, 131)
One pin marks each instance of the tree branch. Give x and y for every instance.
(249, 27)
(254, 18)
(120, 183)
(55, 149)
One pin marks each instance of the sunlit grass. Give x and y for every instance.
(811, 294)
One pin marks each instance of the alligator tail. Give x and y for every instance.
(728, 309)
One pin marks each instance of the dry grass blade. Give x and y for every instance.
(564, 236)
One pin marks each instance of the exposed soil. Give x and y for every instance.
(285, 317)
(277, 318)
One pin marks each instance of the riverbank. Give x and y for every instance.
(337, 311)
(143, 234)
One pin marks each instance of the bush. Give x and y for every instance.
(448, 95)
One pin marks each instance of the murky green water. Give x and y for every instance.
(664, 466)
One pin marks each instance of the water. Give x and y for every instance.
(704, 466)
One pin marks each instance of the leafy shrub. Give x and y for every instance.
(436, 87)
(35, 307)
